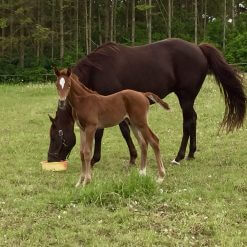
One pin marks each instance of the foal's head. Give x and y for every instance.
(63, 85)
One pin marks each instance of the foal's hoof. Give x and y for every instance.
(78, 184)
(174, 162)
(160, 180)
(143, 172)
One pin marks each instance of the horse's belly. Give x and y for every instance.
(111, 120)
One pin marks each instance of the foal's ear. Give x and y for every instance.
(69, 72)
(51, 118)
(56, 71)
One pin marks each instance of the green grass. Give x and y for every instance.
(201, 203)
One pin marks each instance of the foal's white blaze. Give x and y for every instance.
(62, 82)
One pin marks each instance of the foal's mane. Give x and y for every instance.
(81, 84)
(75, 78)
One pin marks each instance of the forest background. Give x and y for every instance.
(35, 34)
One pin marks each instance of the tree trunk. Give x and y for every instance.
(133, 24)
(22, 48)
(169, 19)
(90, 26)
(52, 29)
(106, 21)
(127, 17)
(115, 21)
(86, 27)
(61, 30)
(196, 16)
(224, 27)
(11, 27)
(3, 32)
(111, 20)
(77, 28)
(233, 13)
(38, 41)
(205, 20)
(150, 22)
(146, 14)
(100, 27)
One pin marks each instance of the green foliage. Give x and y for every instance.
(236, 50)
(39, 22)
(3, 22)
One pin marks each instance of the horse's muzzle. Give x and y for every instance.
(61, 104)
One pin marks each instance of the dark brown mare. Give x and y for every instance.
(172, 65)
(92, 111)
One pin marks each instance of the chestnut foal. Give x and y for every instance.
(92, 111)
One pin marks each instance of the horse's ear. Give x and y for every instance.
(68, 72)
(56, 71)
(51, 118)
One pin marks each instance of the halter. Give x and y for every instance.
(63, 144)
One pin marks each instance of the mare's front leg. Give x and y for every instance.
(97, 146)
(126, 134)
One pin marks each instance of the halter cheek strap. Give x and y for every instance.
(63, 144)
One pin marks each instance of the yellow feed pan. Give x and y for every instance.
(54, 166)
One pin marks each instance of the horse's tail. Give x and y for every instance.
(156, 99)
(231, 86)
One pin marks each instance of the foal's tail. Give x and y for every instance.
(156, 99)
(231, 86)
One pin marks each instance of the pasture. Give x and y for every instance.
(200, 203)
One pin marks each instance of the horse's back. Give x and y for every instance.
(161, 67)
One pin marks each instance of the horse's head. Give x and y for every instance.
(62, 136)
(63, 85)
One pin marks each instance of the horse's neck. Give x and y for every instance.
(65, 115)
(77, 90)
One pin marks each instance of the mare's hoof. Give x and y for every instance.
(132, 163)
(190, 158)
(174, 162)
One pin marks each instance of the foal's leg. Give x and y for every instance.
(153, 140)
(126, 134)
(189, 127)
(143, 146)
(82, 144)
(87, 152)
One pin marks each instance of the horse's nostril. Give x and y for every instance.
(61, 103)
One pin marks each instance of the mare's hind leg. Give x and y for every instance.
(153, 140)
(189, 128)
(143, 146)
(126, 134)
(192, 137)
